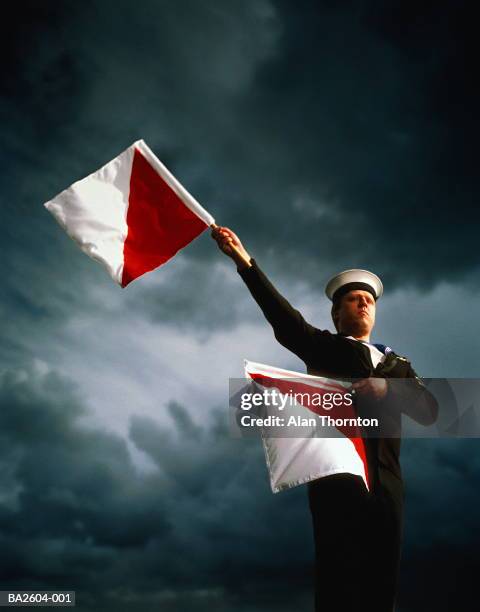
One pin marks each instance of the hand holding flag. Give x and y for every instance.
(230, 244)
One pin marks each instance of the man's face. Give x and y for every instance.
(356, 313)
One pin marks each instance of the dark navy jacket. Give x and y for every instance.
(336, 356)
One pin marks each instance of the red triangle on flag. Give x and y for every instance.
(159, 223)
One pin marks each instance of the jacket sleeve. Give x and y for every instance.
(410, 396)
(289, 326)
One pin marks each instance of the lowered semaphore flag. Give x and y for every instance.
(132, 215)
(293, 460)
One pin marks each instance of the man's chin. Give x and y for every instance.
(359, 328)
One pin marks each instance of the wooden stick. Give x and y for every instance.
(235, 249)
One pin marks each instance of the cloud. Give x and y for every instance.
(201, 528)
(258, 107)
(187, 531)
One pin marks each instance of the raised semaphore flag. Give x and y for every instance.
(132, 215)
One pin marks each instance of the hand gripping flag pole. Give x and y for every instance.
(234, 248)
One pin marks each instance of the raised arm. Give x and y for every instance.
(289, 326)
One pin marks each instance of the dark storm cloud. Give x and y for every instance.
(202, 529)
(196, 298)
(375, 125)
(80, 86)
(323, 132)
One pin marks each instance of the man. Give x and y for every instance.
(357, 532)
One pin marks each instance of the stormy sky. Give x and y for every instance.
(328, 135)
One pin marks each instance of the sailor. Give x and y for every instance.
(357, 532)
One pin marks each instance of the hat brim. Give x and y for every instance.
(366, 280)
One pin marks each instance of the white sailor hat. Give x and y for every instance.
(348, 280)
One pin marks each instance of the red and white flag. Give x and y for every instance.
(292, 461)
(131, 215)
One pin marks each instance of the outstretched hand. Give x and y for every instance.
(226, 239)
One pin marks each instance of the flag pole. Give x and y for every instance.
(235, 249)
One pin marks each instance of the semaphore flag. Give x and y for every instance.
(132, 215)
(293, 460)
